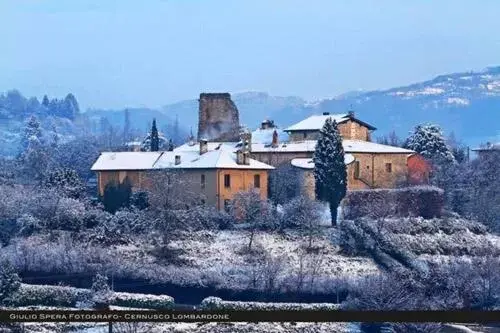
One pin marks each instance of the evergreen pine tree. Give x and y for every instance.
(70, 108)
(45, 101)
(428, 141)
(170, 145)
(330, 171)
(32, 131)
(155, 140)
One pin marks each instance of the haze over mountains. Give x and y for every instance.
(466, 103)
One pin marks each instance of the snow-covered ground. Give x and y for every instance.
(221, 251)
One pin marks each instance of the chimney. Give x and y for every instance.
(266, 124)
(239, 157)
(177, 159)
(246, 138)
(246, 158)
(350, 114)
(326, 113)
(203, 146)
(274, 143)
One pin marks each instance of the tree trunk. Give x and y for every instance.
(251, 239)
(333, 213)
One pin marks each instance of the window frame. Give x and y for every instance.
(227, 181)
(388, 167)
(256, 180)
(203, 181)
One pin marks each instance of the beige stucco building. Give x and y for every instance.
(215, 176)
(369, 165)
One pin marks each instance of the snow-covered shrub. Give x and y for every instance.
(69, 296)
(27, 225)
(49, 295)
(95, 216)
(142, 301)
(107, 234)
(425, 201)
(298, 211)
(101, 292)
(68, 215)
(140, 199)
(198, 217)
(9, 282)
(129, 222)
(216, 303)
(66, 181)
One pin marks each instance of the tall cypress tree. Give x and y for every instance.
(330, 171)
(155, 140)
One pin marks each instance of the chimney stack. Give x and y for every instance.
(275, 142)
(266, 124)
(177, 159)
(246, 158)
(203, 146)
(239, 157)
(246, 138)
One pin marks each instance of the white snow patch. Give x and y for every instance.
(220, 251)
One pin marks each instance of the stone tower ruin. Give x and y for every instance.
(219, 119)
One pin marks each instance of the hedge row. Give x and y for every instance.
(29, 294)
(142, 301)
(216, 303)
(69, 297)
(424, 201)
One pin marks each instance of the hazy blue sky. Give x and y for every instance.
(151, 52)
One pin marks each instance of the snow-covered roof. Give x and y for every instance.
(285, 147)
(307, 163)
(228, 146)
(350, 146)
(360, 146)
(216, 159)
(266, 135)
(490, 146)
(316, 122)
(126, 161)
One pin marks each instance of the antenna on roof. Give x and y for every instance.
(350, 112)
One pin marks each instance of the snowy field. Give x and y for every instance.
(222, 251)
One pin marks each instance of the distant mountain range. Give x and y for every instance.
(467, 104)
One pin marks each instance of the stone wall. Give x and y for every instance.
(219, 118)
(373, 173)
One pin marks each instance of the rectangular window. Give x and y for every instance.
(388, 167)
(227, 181)
(305, 135)
(202, 181)
(256, 181)
(356, 169)
(227, 205)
